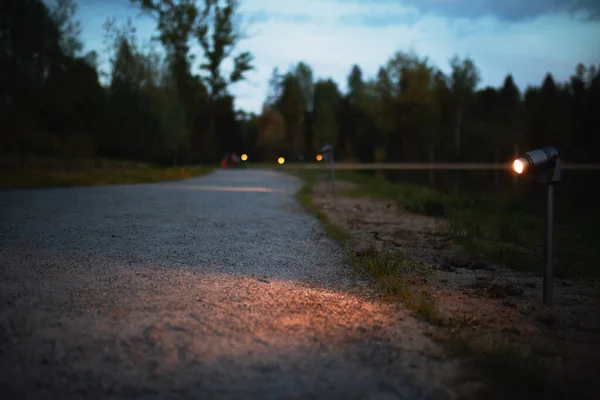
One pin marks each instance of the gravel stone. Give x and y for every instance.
(213, 287)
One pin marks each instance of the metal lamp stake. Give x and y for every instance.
(552, 182)
(547, 161)
(327, 151)
(332, 170)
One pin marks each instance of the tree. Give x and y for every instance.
(326, 109)
(354, 132)
(510, 110)
(29, 49)
(218, 32)
(544, 127)
(463, 81)
(291, 106)
(382, 108)
(176, 22)
(50, 98)
(274, 88)
(271, 133)
(148, 120)
(216, 28)
(304, 74)
(356, 85)
(406, 82)
(417, 102)
(489, 115)
(63, 13)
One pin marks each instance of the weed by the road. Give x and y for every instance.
(510, 371)
(514, 372)
(90, 173)
(400, 276)
(500, 229)
(305, 197)
(394, 272)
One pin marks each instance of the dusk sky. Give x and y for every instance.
(524, 37)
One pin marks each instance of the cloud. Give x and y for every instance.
(262, 16)
(508, 10)
(332, 38)
(332, 35)
(380, 19)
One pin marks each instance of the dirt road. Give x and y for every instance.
(215, 287)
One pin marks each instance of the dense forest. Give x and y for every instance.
(412, 111)
(156, 106)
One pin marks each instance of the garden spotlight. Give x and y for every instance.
(541, 159)
(548, 164)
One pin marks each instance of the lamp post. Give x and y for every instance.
(547, 163)
(327, 151)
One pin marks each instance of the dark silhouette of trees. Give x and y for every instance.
(153, 108)
(412, 111)
(165, 109)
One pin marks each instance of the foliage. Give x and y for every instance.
(174, 108)
(52, 172)
(503, 229)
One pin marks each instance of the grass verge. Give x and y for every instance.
(500, 229)
(91, 173)
(394, 273)
(515, 371)
(510, 372)
(305, 197)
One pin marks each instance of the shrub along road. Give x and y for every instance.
(213, 287)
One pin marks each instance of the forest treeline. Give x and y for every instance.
(412, 111)
(158, 106)
(154, 107)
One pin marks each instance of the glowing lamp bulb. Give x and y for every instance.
(244, 157)
(519, 166)
(281, 160)
(319, 157)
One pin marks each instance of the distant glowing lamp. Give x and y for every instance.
(319, 157)
(548, 164)
(244, 157)
(281, 160)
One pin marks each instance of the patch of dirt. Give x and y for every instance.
(487, 298)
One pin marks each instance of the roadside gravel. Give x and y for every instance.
(214, 287)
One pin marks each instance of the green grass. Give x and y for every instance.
(305, 197)
(509, 372)
(90, 173)
(392, 272)
(399, 276)
(499, 229)
(517, 372)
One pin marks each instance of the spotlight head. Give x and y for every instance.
(540, 159)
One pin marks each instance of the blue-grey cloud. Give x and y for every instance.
(264, 16)
(380, 20)
(509, 10)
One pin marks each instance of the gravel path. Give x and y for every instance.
(214, 287)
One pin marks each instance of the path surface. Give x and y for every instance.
(214, 287)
